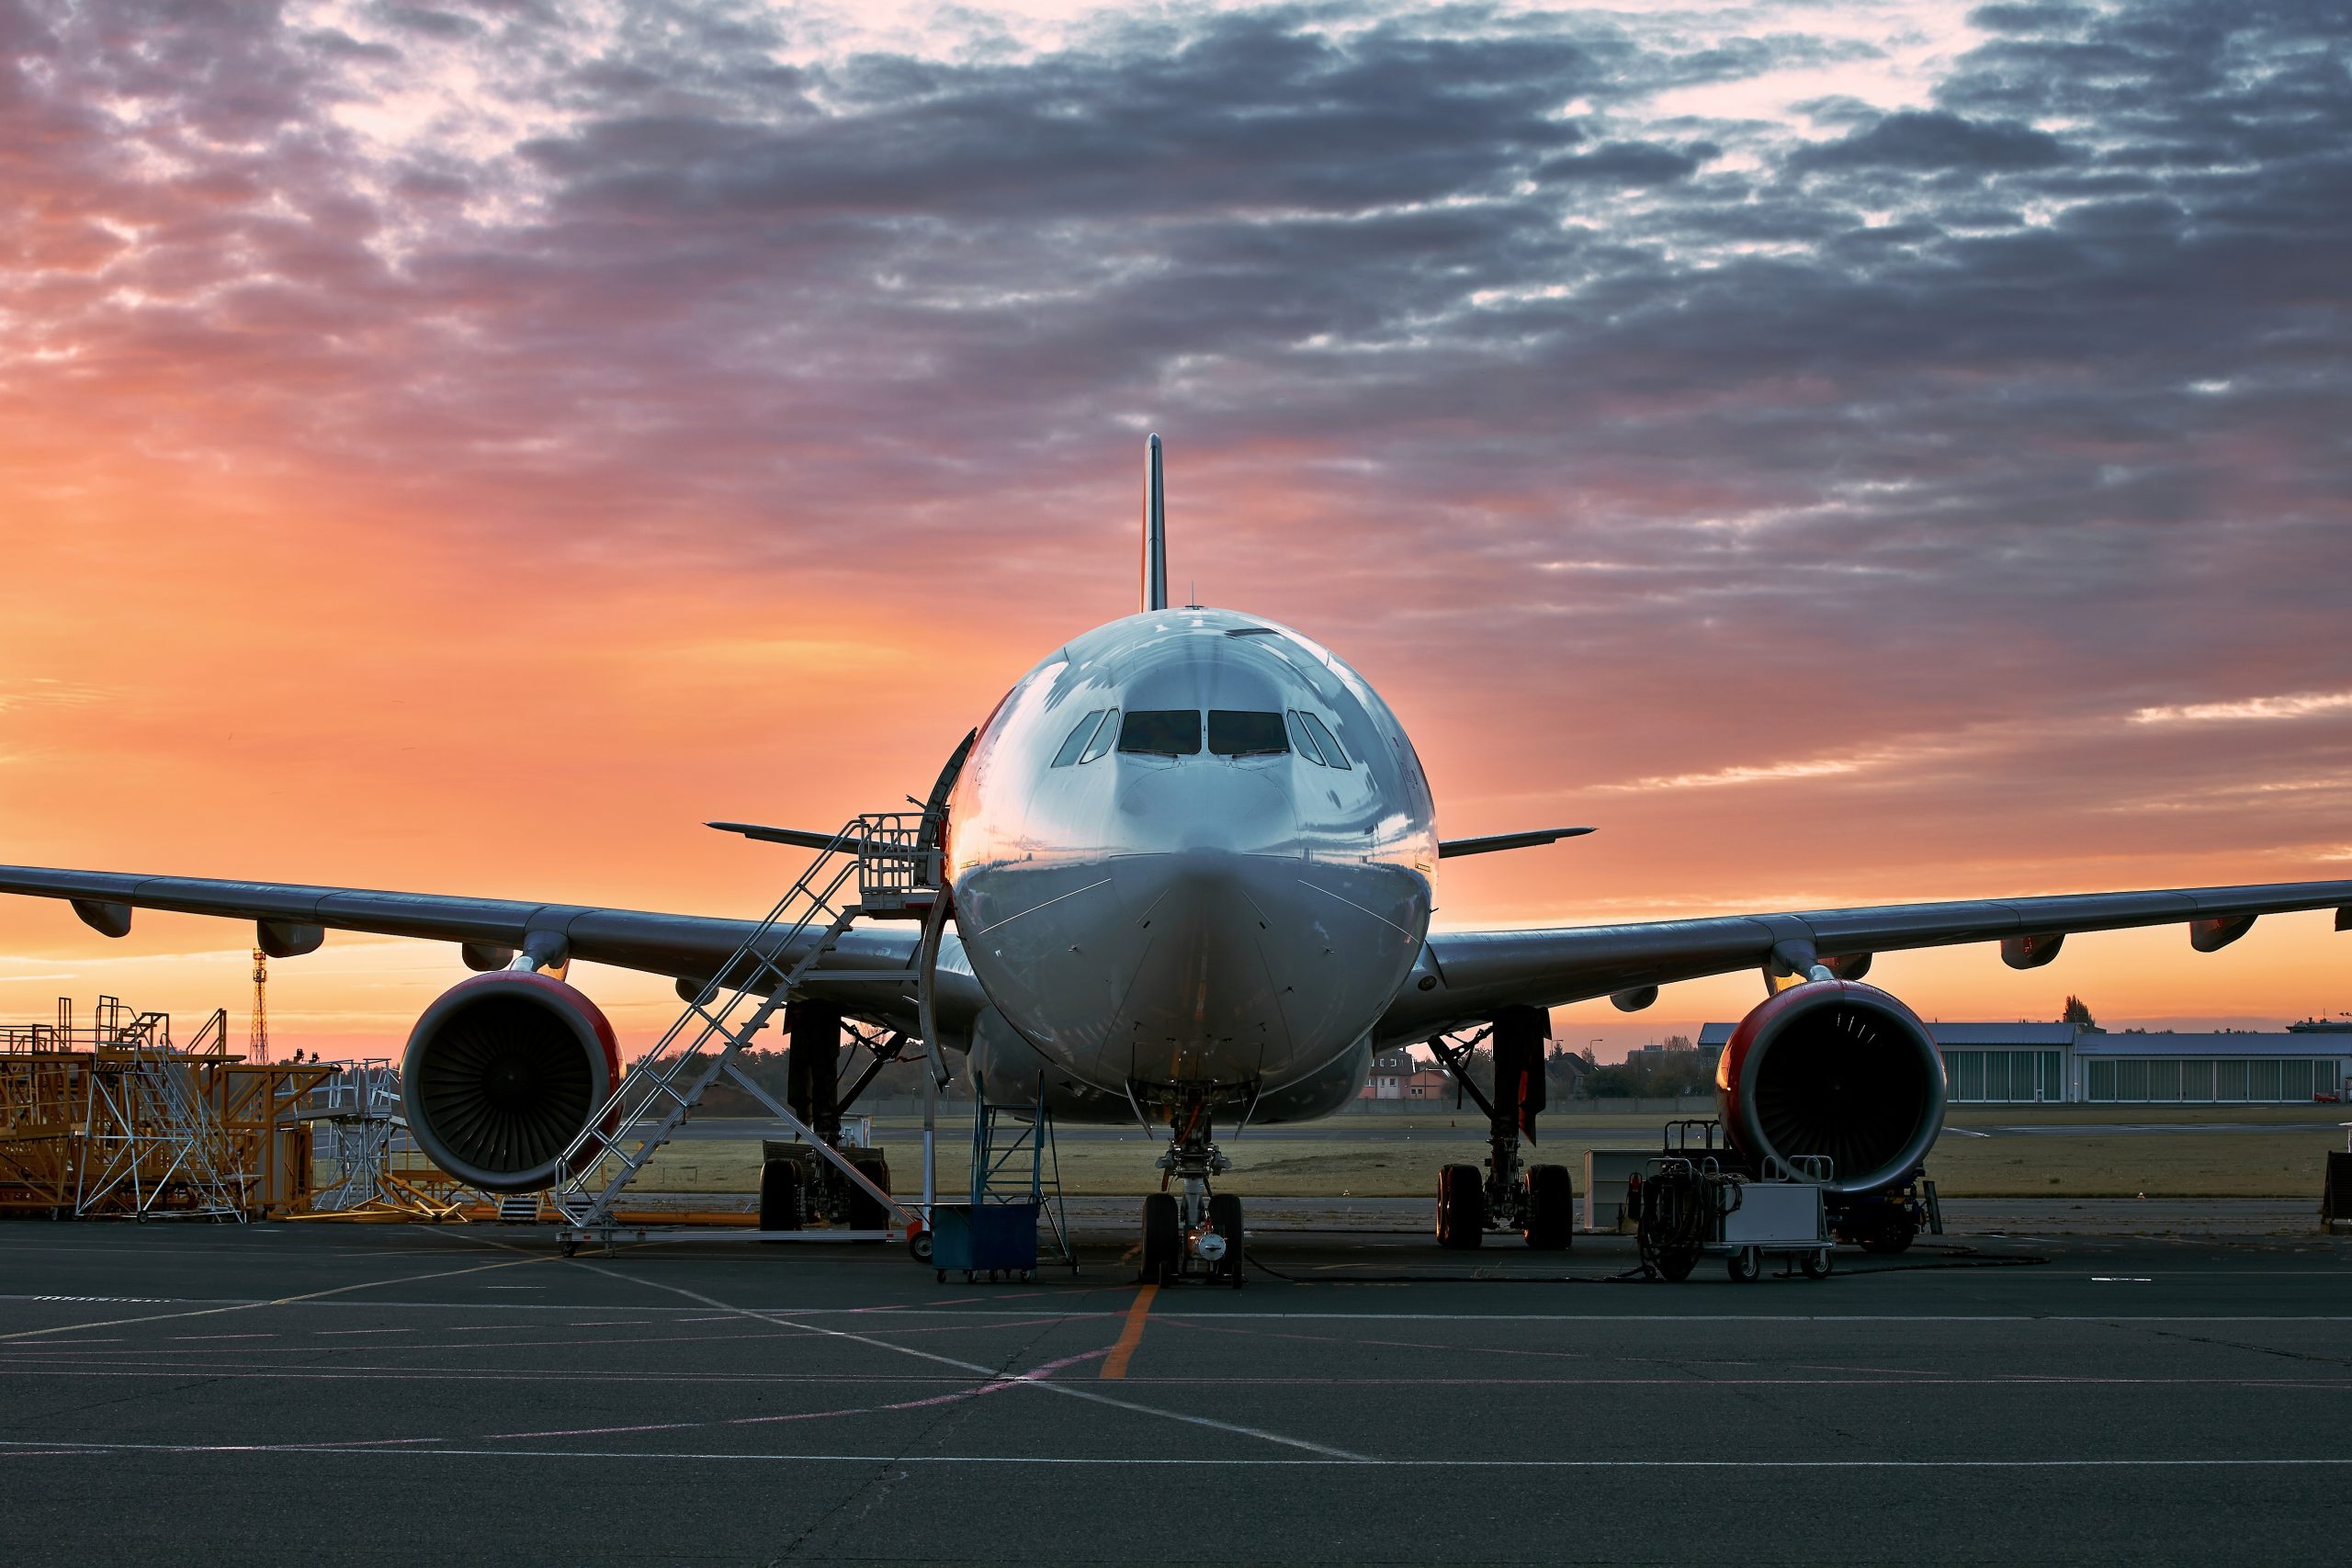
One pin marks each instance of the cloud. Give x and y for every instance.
(1627, 163)
(2298, 705)
(1865, 366)
(1934, 139)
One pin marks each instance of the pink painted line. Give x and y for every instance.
(1036, 1374)
(602, 1431)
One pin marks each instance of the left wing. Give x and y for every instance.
(1465, 976)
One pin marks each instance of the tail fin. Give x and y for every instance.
(1155, 532)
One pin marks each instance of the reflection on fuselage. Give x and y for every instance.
(1161, 884)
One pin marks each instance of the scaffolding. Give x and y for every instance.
(114, 1118)
(373, 1170)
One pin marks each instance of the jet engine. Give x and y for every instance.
(502, 1072)
(1838, 1068)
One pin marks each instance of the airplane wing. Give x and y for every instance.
(1449, 848)
(1465, 976)
(867, 970)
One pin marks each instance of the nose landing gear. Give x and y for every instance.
(1193, 1233)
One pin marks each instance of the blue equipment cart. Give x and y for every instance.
(995, 1238)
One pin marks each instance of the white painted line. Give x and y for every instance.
(30, 1449)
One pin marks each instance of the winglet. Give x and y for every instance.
(1155, 532)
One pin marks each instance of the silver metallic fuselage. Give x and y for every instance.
(1227, 926)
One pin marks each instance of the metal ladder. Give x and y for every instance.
(883, 858)
(996, 1162)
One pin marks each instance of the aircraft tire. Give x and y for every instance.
(1461, 1207)
(780, 1195)
(864, 1214)
(1163, 1239)
(1550, 1208)
(1892, 1233)
(1225, 1212)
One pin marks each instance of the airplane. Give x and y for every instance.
(1190, 863)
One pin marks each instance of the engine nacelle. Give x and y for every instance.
(1833, 1067)
(502, 1072)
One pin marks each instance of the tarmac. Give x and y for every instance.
(2093, 1382)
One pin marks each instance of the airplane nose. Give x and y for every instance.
(1207, 806)
(1203, 1000)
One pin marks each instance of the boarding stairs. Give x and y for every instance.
(879, 866)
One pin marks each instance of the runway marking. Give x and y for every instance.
(789, 1317)
(277, 1301)
(1694, 1384)
(1115, 1365)
(952, 1396)
(1067, 1391)
(418, 1448)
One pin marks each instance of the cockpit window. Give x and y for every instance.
(1103, 737)
(1163, 732)
(1323, 742)
(1302, 742)
(1078, 736)
(1239, 732)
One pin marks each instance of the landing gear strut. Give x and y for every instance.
(1537, 1200)
(1193, 1232)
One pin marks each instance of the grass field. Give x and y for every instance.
(1390, 1161)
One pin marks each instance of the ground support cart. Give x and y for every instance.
(998, 1239)
(1692, 1203)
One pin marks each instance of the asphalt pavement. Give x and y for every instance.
(323, 1394)
(1471, 1129)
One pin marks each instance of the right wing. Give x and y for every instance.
(1449, 848)
(1465, 976)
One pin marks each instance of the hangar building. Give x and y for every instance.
(2022, 1064)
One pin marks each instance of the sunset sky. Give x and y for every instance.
(1846, 453)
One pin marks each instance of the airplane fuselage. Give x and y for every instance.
(1192, 855)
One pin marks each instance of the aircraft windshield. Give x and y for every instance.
(1302, 742)
(1324, 741)
(1164, 732)
(1078, 738)
(1235, 732)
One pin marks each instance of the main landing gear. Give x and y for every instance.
(1193, 1233)
(1537, 1200)
(1886, 1221)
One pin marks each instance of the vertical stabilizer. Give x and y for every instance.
(1155, 532)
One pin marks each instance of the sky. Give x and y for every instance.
(1846, 453)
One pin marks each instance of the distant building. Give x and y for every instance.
(1399, 1075)
(2024, 1063)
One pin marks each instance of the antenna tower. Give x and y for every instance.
(257, 1039)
